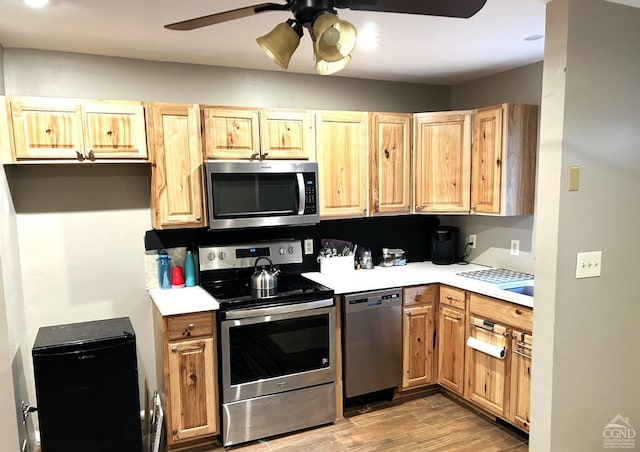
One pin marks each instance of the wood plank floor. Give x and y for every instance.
(433, 422)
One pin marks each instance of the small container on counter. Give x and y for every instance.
(164, 269)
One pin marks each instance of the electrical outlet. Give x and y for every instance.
(308, 246)
(515, 247)
(588, 265)
(472, 240)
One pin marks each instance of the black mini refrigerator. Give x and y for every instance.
(86, 378)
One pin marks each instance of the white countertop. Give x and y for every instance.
(196, 299)
(414, 274)
(183, 300)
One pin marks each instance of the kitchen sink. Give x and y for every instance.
(524, 290)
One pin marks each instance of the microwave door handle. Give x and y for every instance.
(301, 196)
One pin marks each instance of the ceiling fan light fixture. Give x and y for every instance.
(281, 42)
(333, 38)
(324, 67)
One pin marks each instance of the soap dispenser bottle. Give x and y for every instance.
(189, 270)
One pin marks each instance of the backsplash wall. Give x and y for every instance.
(409, 232)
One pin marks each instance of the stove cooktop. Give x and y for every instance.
(291, 289)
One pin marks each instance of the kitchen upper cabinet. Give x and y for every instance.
(442, 161)
(187, 375)
(504, 160)
(341, 151)
(389, 163)
(237, 133)
(70, 129)
(6, 154)
(418, 343)
(286, 134)
(231, 133)
(451, 338)
(488, 376)
(177, 193)
(520, 396)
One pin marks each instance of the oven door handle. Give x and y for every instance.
(301, 194)
(273, 310)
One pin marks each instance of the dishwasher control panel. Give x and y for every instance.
(373, 299)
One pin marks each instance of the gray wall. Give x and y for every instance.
(494, 234)
(43, 73)
(586, 330)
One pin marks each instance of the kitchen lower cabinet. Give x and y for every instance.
(418, 342)
(187, 376)
(451, 345)
(520, 397)
(487, 375)
(177, 189)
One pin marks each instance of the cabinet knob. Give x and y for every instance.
(198, 218)
(79, 155)
(264, 154)
(174, 349)
(255, 155)
(364, 210)
(418, 295)
(408, 313)
(418, 208)
(449, 297)
(191, 327)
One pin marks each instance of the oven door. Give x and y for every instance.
(253, 194)
(269, 351)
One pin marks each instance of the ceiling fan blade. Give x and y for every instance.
(448, 8)
(225, 16)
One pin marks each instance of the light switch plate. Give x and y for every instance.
(588, 265)
(515, 247)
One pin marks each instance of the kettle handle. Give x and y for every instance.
(255, 266)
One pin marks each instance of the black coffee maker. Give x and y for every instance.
(444, 245)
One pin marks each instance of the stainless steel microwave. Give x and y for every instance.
(265, 193)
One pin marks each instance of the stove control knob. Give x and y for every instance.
(290, 250)
(211, 256)
(281, 250)
(222, 255)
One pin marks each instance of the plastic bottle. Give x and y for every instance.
(189, 270)
(164, 270)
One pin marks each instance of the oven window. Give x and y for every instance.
(274, 349)
(251, 195)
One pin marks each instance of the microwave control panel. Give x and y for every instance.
(311, 195)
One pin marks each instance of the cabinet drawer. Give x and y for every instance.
(190, 325)
(502, 311)
(418, 295)
(452, 297)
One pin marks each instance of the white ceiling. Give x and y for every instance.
(420, 49)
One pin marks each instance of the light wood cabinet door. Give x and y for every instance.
(442, 161)
(520, 396)
(389, 163)
(231, 133)
(286, 134)
(46, 128)
(417, 346)
(487, 376)
(451, 345)
(504, 160)
(341, 150)
(114, 130)
(191, 390)
(177, 198)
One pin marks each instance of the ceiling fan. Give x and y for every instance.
(333, 39)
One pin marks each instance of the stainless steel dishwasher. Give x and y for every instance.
(372, 341)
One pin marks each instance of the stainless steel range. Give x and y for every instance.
(277, 347)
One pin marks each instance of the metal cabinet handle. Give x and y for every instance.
(191, 327)
(174, 349)
(521, 354)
